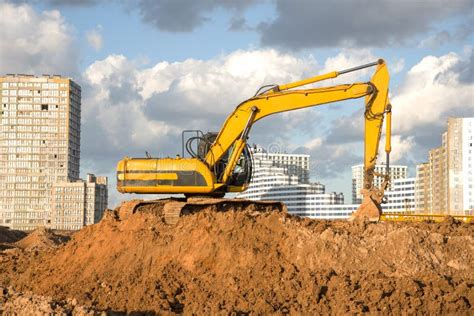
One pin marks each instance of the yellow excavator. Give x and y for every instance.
(221, 162)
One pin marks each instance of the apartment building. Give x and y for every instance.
(79, 203)
(460, 161)
(448, 176)
(422, 188)
(401, 196)
(395, 171)
(295, 164)
(285, 177)
(438, 178)
(39, 145)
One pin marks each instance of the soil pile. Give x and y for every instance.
(42, 238)
(8, 235)
(16, 303)
(247, 261)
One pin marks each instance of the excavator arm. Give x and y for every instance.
(212, 172)
(280, 99)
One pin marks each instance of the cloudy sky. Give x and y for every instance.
(151, 68)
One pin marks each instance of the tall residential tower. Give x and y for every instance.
(40, 145)
(446, 181)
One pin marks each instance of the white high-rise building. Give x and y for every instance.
(460, 161)
(395, 171)
(401, 196)
(285, 177)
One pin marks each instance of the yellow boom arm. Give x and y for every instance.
(280, 99)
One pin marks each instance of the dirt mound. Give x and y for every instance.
(248, 261)
(42, 238)
(17, 303)
(8, 235)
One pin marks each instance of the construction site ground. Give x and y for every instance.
(221, 261)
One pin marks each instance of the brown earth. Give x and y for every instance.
(42, 239)
(17, 303)
(8, 236)
(247, 261)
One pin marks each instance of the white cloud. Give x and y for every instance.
(128, 109)
(188, 90)
(115, 103)
(349, 58)
(398, 66)
(431, 91)
(314, 143)
(94, 38)
(35, 43)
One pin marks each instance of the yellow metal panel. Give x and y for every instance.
(149, 176)
(144, 175)
(401, 217)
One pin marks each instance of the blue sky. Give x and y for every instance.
(149, 69)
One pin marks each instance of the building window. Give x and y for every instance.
(44, 107)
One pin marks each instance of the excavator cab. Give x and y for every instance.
(198, 146)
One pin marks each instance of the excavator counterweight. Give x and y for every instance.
(222, 163)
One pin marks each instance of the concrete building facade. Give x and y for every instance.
(422, 188)
(79, 203)
(401, 196)
(438, 178)
(401, 199)
(460, 161)
(40, 144)
(446, 182)
(285, 178)
(396, 172)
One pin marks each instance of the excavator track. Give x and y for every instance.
(171, 209)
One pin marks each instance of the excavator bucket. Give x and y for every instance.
(370, 208)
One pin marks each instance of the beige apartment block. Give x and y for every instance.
(79, 203)
(438, 178)
(450, 172)
(39, 145)
(422, 188)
